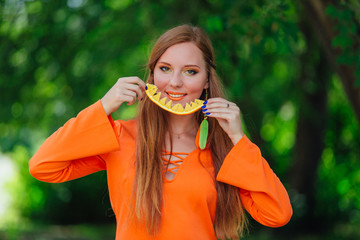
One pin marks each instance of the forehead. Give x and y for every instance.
(183, 54)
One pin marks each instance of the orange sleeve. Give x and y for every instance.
(261, 191)
(75, 149)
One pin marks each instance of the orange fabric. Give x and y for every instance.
(176, 162)
(92, 142)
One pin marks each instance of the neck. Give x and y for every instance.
(182, 124)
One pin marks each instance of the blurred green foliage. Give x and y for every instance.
(58, 57)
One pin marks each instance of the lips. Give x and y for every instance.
(175, 96)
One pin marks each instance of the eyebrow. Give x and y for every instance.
(191, 65)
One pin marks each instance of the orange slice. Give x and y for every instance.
(151, 92)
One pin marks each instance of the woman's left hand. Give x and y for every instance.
(227, 114)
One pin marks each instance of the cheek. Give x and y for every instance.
(160, 80)
(196, 85)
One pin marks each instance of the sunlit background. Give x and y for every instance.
(293, 67)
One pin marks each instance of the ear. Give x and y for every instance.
(206, 85)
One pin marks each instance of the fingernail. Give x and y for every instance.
(207, 113)
(204, 110)
(204, 106)
(145, 87)
(205, 102)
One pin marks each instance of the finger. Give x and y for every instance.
(220, 102)
(128, 93)
(141, 87)
(136, 89)
(216, 99)
(135, 80)
(222, 105)
(221, 110)
(129, 99)
(226, 116)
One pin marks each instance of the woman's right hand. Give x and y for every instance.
(125, 90)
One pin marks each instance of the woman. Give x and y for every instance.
(161, 184)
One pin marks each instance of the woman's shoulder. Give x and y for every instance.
(132, 123)
(126, 128)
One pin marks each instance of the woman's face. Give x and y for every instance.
(180, 73)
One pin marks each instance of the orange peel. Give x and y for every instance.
(155, 97)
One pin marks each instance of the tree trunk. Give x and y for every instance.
(311, 126)
(323, 27)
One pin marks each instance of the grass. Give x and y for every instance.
(59, 232)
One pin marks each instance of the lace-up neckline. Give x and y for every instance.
(172, 166)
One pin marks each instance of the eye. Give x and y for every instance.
(191, 72)
(165, 69)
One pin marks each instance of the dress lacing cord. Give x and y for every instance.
(176, 162)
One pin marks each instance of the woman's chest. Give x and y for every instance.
(193, 185)
(193, 182)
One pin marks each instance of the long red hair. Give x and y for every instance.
(230, 221)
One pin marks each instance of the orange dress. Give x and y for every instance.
(93, 142)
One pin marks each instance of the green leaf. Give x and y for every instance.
(214, 24)
(357, 76)
(204, 128)
(357, 83)
(342, 41)
(332, 11)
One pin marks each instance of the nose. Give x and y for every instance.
(176, 80)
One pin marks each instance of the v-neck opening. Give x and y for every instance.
(180, 167)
